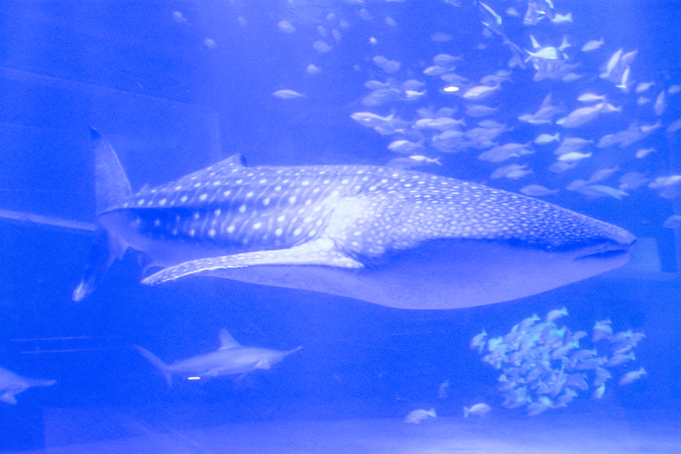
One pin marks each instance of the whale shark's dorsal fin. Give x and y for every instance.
(227, 341)
(234, 163)
(235, 160)
(111, 184)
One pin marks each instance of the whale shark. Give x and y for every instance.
(12, 384)
(389, 236)
(230, 359)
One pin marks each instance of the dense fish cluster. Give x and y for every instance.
(454, 101)
(544, 366)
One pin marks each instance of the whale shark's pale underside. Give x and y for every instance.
(389, 236)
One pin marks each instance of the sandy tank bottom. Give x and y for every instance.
(593, 433)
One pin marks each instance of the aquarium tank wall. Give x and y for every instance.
(340, 226)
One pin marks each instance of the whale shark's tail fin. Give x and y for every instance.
(111, 189)
(111, 183)
(157, 363)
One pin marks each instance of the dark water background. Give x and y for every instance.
(170, 104)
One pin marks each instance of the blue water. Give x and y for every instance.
(171, 102)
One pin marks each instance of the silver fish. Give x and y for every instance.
(536, 190)
(230, 359)
(288, 94)
(389, 236)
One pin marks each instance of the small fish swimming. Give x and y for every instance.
(370, 120)
(491, 19)
(478, 341)
(590, 97)
(321, 46)
(539, 407)
(592, 45)
(562, 18)
(612, 62)
(632, 376)
(598, 392)
(674, 126)
(512, 12)
(643, 86)
(445, 60)
(565, 398)
(556, 314)
(288, 94)
(442, 390)
(440, 123)
(544, 114)
(404, 146)
(544, 139)
(574, 156)
(425, 159)
(599, 189)
(535, 190)
(178, 17)
(602, 375)
(452, 78)
(660, 104)
(602, 174)
(411, 95)
(389, 66)
(602, 330)
(625, 82)
(376, 85)
(547, 53)
(416, 416)
(480, 409)
(503, 152)
(570, 144)
(672, 222)
(481, 111)
(584, 115)
(435, 70)
(616, 360)
(512, 172)
(481, 92)
(286, 27)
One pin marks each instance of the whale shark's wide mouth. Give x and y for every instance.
(607, 251)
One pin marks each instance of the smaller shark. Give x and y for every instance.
(230, 359)
(12, 384)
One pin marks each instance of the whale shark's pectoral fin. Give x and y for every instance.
(317, 252)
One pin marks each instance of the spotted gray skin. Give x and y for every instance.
(390, 236)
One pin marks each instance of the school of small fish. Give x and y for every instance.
(544, 366)
(445, 103)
